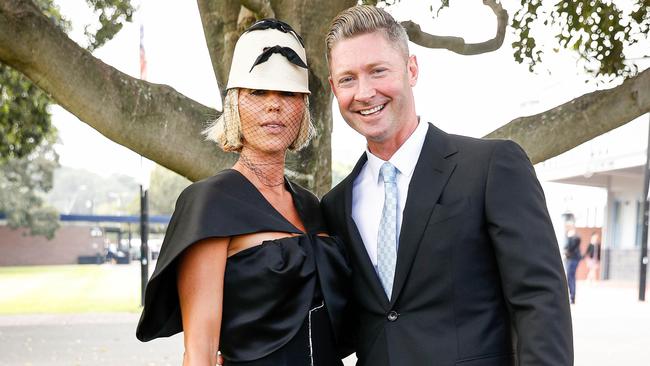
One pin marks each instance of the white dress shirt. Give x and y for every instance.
(368, 188)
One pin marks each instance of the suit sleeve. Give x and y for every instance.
(528, 257)
(347, 342)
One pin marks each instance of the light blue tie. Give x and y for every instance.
(387, 236)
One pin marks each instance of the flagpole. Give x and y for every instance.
(144, 190)
(643, 268)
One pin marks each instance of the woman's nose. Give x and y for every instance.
(273, 104)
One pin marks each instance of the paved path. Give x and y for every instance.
(610, 328)
(88, 339)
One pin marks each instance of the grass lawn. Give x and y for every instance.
(70, 289)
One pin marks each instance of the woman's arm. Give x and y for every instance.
(200, 289)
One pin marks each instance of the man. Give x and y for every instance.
(572, 257)
(454, 258)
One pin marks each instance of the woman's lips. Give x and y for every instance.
(273, 127)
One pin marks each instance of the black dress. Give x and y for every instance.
(283, 300)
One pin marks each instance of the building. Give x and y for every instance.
(610, 166)
(80, 239)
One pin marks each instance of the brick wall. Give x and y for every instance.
(17, 248)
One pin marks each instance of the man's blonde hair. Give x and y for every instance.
(226, 130)
(364, 19)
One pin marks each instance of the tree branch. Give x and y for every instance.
(261, 8)
(564, 127)
(153, 120)
(219, 19)
(457, 44)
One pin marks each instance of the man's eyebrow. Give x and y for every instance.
(350, 72)
(342, 73)
(375, 64)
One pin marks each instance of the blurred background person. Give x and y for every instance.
(592, 256)
(572, 257)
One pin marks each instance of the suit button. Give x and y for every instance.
(392, 316)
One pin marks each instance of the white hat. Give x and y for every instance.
(269, 56)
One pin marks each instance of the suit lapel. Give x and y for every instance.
(430, 176)
(366, 269)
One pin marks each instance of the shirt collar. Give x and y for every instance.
(405, 158)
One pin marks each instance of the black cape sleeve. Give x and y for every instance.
(219, 206)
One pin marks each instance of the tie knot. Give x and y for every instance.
(388, 172)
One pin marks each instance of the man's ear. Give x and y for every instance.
(329, 78)
(413, 70)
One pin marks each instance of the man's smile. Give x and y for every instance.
(367, 112)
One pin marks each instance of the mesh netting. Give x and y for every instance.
(262, 125)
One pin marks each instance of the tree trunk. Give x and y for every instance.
(219, 19)
(312, 167)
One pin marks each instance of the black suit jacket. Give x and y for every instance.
(572, 247)
(479, 279)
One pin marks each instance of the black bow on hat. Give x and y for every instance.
(277, 25)
(287, 52)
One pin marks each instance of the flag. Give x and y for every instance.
(143, 58)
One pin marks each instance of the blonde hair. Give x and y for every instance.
(227, 133)
(364, 19)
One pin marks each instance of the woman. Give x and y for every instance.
(592, 254)
(246, 267)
